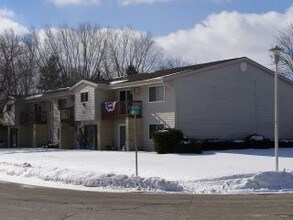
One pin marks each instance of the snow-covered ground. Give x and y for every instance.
(233, 171)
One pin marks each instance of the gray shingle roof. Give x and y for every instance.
(161, 73)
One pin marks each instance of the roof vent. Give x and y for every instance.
(243, 67)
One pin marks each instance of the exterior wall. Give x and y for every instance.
(155, 113)
(85, 111)
(67, 136)
(106, 135)
(130, 132)
(41, 137)
(102, 95)
(8, 119)
(227, 103)
(55, 124)
(26, 136)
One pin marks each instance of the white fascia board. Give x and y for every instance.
(148, 82)
(83, 81)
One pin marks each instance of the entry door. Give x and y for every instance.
(121, 136)
(91, 137)
(13, 137)
(125, 96)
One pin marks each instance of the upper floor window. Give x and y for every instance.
(156, 94)
(125, 95)
(84, 96)
(62, 103)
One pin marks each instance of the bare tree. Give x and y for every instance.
(80, 50)
(285, 41)
(128, 47)
(27, 63)
(9, 51)
(18, 69)
(173, 62)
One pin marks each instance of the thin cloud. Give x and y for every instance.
(4, 12)
(226, 35)
(136, 2)
(74, 2)
(221, 1)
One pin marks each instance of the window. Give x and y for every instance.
(62, 103)
(84, 96)
(125, 96)
(153, 128)
(156, 94)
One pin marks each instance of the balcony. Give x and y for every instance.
(113, 110)
(67, 114)
(33, 117)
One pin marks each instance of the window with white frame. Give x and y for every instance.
(156, 94)
(84, 96)
(154, 127)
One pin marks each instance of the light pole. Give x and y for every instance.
(276, 54)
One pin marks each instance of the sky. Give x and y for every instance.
(196, 30)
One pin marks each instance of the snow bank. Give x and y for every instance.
(246, 183)
(223, 172)
(268, 181)
(90, 179)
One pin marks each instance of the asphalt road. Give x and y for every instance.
(31, 203)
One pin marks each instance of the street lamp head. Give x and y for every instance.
(276, 53)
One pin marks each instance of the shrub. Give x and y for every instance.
(165, 140)
(212, 144)
(286, 143)
(257, 141)
(188, 146)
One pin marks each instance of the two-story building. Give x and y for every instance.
(8, 130)
(227, 99)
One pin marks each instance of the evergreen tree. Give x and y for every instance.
(131, 70)
(50, 74)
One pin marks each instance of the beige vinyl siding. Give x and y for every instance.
(85, 112)
(227, 103)
(101, 95)
(56, 121)
(156, 112)
(105, 129)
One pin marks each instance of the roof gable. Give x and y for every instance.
(86, 82)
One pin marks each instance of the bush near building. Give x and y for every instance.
(171, 140)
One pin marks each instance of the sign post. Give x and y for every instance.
(135, 145)
(135, 110)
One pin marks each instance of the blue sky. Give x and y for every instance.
(193, 29)
(159, 18)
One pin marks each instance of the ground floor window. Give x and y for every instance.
(153, 128)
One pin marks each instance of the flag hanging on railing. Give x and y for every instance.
(110, 106)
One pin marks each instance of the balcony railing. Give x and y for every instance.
(116, 109)
(33, 117)
(67, 114)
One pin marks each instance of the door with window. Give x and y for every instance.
(121, 137)
(125, 97)
(90, 133)
(13, 137)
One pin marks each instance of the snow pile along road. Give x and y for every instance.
(223, 172)
(247, 183)
(90, 179)
(268, 181)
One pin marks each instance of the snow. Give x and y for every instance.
(233, 171)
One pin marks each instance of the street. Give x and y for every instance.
(32, 203)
